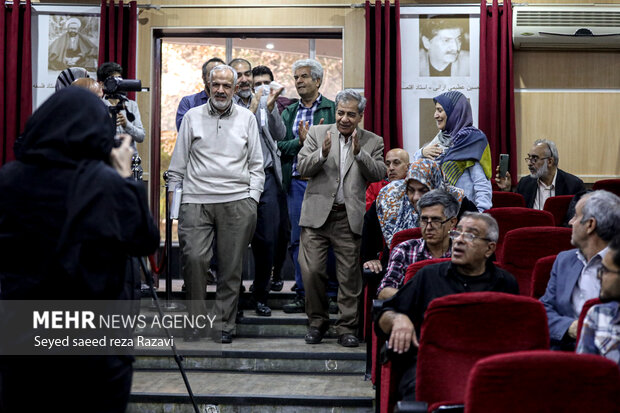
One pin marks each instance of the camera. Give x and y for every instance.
(113, 85)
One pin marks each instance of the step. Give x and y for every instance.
(262, 355)
(225, 392)
(279, 324)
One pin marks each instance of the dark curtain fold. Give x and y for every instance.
(15, 74)
(117, 36)
(497, 104)
(383, 114)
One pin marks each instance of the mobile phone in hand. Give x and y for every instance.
(503, 164)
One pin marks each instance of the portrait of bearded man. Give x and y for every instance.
(72, 48)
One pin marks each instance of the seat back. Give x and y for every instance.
(412, 269)
(543, 381)
(503, 199)
(558, 206)
(524, 246)
(584, 310)
(541, 275)
(514, 217)
(405, 235)
(460, 329)
(611, 185)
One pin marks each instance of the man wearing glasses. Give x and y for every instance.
(438, 211)
(470, 270)
(603, 321)
(545, 179)
(573, 276)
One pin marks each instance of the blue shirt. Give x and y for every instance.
(188, 102)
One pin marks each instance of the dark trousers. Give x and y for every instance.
(265, 236)
(284, 236)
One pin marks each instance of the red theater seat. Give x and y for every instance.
(611, 185)
(543, 381)
(558, 206)
(460, 329)
(503, 199)
(524, 246)
(514, 217)
(405, 235)
(541, 275)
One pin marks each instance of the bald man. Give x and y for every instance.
(397, 162)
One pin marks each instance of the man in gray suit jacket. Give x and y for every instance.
(573, 277)
(339, 160)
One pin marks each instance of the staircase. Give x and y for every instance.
(268, 368)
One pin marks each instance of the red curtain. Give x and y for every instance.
(117, 36)
(497, 103)
(15, 74)
(383, 114)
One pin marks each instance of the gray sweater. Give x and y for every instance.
(217, 158)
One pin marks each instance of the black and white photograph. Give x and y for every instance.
(73, 42)
(444, 45)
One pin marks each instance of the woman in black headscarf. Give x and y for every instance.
(70, 216)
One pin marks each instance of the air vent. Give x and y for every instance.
(568, 18)
(566, 27)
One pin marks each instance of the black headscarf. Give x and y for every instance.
(71, 126)
(68, 220)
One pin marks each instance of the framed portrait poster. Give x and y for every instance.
(63, 37)
(439, 52)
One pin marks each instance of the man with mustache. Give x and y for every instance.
(339, 160)
(222, 185)
(545, 179)
(271, 129)
(441, 52)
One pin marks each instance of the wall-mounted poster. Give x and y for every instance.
(439, 52)
(63, 37)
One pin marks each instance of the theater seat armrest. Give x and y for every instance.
(411, 407)
(371, 277)
(450, 408)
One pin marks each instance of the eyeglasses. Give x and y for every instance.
(467, 236)
(432, 222)
(602, 270)
(534, 158)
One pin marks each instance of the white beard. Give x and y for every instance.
(221, 105)
(542, 171)
(245, 93)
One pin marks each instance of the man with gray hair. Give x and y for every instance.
(545, 179)
(438, 212)
(222, 185)
(470, 270)
(573, 276)
(312, 109)
(339, 160)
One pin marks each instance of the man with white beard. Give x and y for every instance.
(222, 185)
(545, 179)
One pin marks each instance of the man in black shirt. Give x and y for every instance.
(473, 243)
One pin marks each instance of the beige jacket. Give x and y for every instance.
(324, 175)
